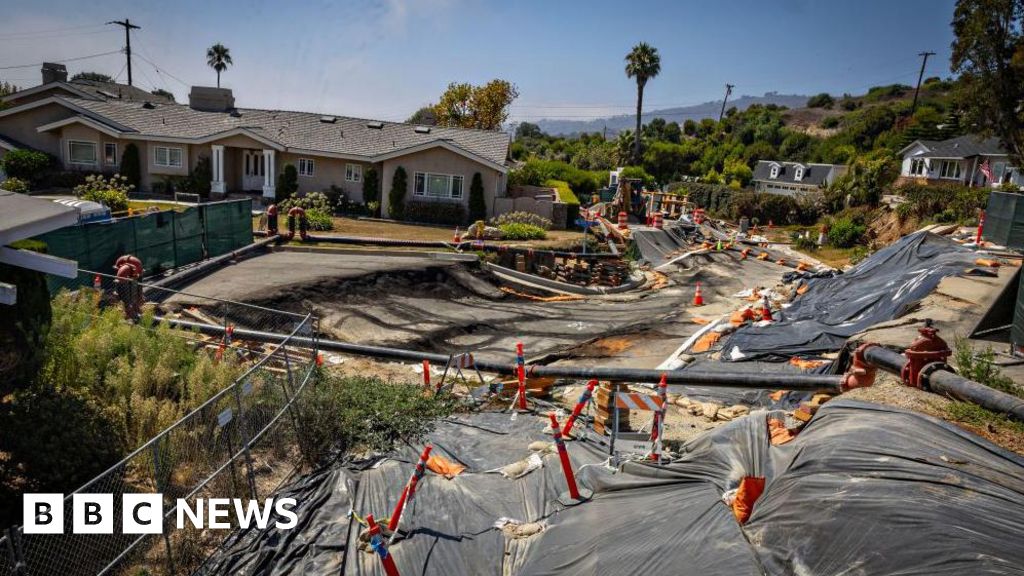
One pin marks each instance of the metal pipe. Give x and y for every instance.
(207, 265)
(809, 382)
(944, 381)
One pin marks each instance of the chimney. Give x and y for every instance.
(54, 72)
(210, 99)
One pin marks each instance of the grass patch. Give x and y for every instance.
(972, 414)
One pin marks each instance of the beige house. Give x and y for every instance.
(248, 148)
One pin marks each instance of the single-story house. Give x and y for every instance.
(56, 83)
(789, 178)
(966, 160)
(248, 148)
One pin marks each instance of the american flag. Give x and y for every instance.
(986, 170)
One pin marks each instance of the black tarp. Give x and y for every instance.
(883, 287)
(659, 246)
(864, 489)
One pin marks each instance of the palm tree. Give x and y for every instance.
(642, 63)
(218, 57)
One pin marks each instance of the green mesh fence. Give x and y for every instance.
(162, 240)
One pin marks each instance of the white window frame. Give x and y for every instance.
(95, 152)
(798, 175)
(452, 179)
(169, 163)
(956, 170)
(307, 167)
(918, 167)
(114, 161)
(774, 172)
(353, 172)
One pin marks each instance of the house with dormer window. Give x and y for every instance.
(789, 178)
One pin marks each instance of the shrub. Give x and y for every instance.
(131, 167)
(15, 185)
(844, 232)
(981, 367)
(287, 183)
(535, 172)
(477, 203)
(830, 122)
(566, 195)
(112, 192)
(341, 414)
(823, 100)
(637, 173)
(942, 202)
(26, 165)
(199, 179)
(522, 218)
(396, 197)
(371, 186)
(447, 213)
(516, 231)
(317, 207)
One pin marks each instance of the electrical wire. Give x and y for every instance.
(118, 51)
(50, 31)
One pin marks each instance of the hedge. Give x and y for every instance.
(435, 213)
(536, 172)
(566, 195)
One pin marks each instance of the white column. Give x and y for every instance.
(217, 185)
(268, 174)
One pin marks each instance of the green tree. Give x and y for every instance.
(477, 202)
(528, 130)
(218, 57)
(424, 116)
(823, 100)
(93, 76)
(396, 197)
(988, 55)
(371, 186)
(287, 183)
(483, 107)
(165, 93)
(642, 63)
(26, 164)
(130, 165)
(690, 127)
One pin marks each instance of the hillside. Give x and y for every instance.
(697, 112)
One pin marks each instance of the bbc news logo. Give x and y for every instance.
(144, 513)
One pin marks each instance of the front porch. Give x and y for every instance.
(243, 169)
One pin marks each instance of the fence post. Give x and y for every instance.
(243, 437)
(158, 480)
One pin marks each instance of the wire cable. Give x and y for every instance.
(118, 51)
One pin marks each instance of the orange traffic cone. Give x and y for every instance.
(97, 282)
(766, 310)
(457, 238)
(698, 298)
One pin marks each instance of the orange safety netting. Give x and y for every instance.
(806, 364)
(700, 321)
(987, 262)
(706, 342)
(751, 488)
(803, 288)
(447, 468)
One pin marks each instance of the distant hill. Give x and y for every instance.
(697, 112)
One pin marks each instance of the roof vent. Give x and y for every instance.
(423, 129)
(235, 113)
(148, 105)
(328, 119)
(375, 125)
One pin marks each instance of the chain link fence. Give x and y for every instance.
(243, 442)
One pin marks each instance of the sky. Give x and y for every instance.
(384, 59)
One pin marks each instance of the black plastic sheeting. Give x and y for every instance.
(882, 287)
(864, 489)
(659, 246)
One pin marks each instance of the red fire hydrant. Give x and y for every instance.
(927, 349)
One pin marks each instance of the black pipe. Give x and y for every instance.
(809, 382)
(944, 381)
(207, 265)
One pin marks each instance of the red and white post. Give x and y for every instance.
(658, 428)
(409, 491)
(578, 408)
(380, 548)
(981, 225)
(574, 495)
(521, 374)
(426, 374)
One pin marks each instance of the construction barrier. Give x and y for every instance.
(381, 549)
(574, 495)
(521, 375)
(409, 491)
(623, 220)
(658, 428)
(580, 404)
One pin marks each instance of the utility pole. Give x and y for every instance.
(128, 27)
(728, 91)
(920, 75)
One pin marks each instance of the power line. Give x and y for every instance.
(164, 71)
(61, 61)
(50, 31)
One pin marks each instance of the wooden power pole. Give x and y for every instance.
(920, 75)
(128, 27)
(728, 91)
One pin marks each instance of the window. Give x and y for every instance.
(169, 157)
(353, 173)
(305, 166)
(437, 185)
(918, 167)
(82, 152)
(950, 170)
(110, 153)
(774, 172)
(799, 175)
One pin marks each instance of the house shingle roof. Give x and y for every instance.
(299, 130)
(962, 147)
(814, 174)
